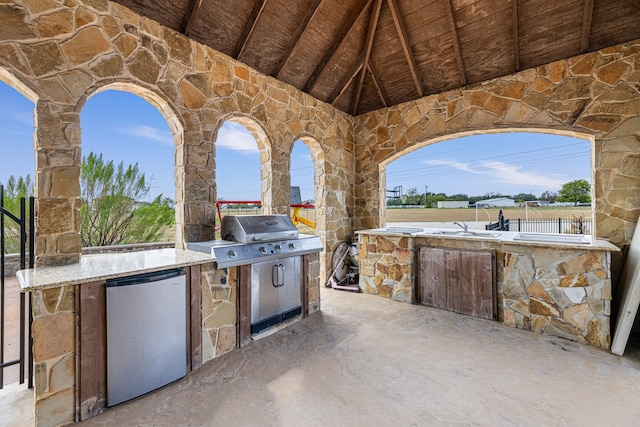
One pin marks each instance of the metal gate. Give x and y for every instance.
(18, 227)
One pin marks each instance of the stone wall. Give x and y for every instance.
(219, 306)
(594, 96)
(54, 354)
(60, 54)
(387, 266)
(565, 293)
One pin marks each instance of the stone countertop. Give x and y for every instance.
(502, 237)
(108, 266)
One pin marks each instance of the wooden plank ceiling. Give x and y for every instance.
(362, 55)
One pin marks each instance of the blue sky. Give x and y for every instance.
(124, 127)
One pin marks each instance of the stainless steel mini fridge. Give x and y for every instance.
(146, 333)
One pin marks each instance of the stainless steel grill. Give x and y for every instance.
(272, 246)
(248, 239)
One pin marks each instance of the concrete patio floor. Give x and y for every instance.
(368, 361)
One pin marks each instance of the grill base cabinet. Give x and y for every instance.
(146, 333)
(462, 281)
(275, 292)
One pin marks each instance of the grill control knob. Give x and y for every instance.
(232, 253)
(262, 250)
(292, 246)
(277, 248)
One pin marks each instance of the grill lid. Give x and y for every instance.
(257, 228)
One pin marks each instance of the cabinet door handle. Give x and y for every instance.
(281, 268)
(274, 275)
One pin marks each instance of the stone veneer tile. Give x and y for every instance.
(53, 336)
(56, 409)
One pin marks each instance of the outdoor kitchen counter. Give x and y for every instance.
(560, 288)
(104, 266)
(503, 237)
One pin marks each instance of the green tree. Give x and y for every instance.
(14, 190)
(549, 196)
(110, 211)
(524, 197)
(577, 191)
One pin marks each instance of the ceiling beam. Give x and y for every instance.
(190, 15)
(295, 38)
(516, 35)
(404, 41)
(376, 81)
(456, 41)
(587, 18)
(345, 30)
(248, 29)
(345, 84)
(373, 24)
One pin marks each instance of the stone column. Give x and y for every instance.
(57, 185)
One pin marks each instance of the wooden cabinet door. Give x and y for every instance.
(432, 277)
(458, 280)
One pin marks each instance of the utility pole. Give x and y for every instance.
(426, 187)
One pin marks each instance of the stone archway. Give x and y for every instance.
(177, 132)
(382, 167)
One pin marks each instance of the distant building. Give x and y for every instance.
(453, 204)
(502, 202)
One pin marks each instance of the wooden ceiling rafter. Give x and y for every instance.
(249, 29)
(516, 35)
(295, 38)
(313, 79)
(586, 25)
(190, 16)
(373, 24)
(456, 42)
(378, 85)
(404, 41)
(345, 84)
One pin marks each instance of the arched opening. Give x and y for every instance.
(128, 185)
(303, 188)
(307, 172)
(242, 171)
(528, 176)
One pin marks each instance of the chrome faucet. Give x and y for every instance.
(464, 226)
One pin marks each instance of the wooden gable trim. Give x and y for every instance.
(516, 35)
(404, 41)
(313, 79)
(586, 25)
(295, 39)
(248, 29)
(192, 12)
(373, 24)
(456, 42)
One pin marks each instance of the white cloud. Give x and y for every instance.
(150, 133)
(505, 173)
(513, 175)
(456, 165)
(235, 137)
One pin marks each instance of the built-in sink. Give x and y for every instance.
(553, 238)
(404, 230)
(462, 233)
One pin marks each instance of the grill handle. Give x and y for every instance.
(264, 239)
